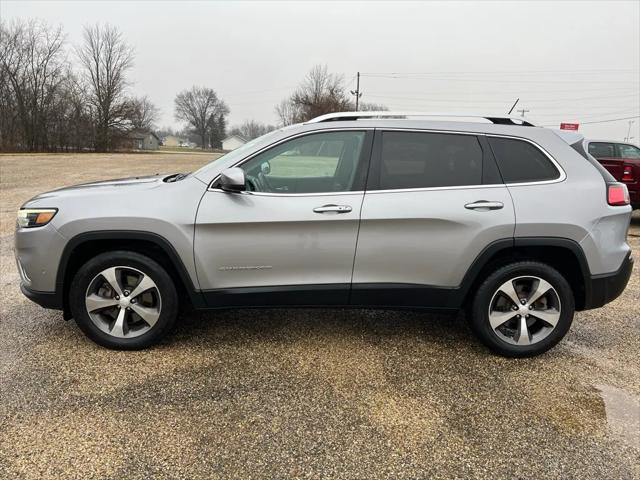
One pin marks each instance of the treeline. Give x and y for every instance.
(60, 97)
(48, 105)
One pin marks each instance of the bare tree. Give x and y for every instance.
(106, 58)
(288, 113)
(319, 93)
(251, 129)
(144, 114)
(201, 108)
(370, 107)
(31, 74)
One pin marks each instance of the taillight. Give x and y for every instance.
(617, 194)
(627, 173)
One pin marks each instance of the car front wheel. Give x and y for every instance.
(523, 309)
(123, 300)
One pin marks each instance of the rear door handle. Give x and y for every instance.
(333, 209)
(484, 205)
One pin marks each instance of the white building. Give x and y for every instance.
(232, 142)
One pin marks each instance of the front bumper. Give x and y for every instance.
(602, 289)
(51, 300)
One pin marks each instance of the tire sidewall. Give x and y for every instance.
(480, 310)
(148, 266)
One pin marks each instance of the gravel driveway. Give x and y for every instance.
(303, 393)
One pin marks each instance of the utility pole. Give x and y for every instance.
(629, 137)
(523, 111)
(357, 91)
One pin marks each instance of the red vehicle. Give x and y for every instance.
(622, 160)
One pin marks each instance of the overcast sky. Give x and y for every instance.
(567, 61)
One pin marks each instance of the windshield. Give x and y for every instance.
(239, 152)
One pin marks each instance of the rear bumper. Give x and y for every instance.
(602, 289)
(45, 299)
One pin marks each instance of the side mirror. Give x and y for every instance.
(232, 180)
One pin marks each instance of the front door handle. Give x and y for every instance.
(333, 209)
(484, 205)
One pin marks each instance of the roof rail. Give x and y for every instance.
(498, 119)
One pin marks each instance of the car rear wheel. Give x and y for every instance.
(123, 300)
(522, 309)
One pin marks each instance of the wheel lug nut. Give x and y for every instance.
(526, 316)
(518, 316)
(523, 302)
(515, 307)
(126, 293)
(133, 300)
(117, 297)
(530, 307)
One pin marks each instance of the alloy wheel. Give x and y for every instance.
(123, 302)
(524, 310)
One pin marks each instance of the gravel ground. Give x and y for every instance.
(303, 393)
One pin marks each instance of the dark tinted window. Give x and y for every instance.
(520, 161)
(422, 160)
(628, 151)
(602, 150)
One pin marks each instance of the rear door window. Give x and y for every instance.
(602, 150)
(522, 162)
(629, 151)
(427, 160)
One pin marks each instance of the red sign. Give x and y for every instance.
(569, 126)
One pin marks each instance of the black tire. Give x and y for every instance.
(479, 315)
(146, 265)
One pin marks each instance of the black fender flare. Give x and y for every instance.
(194, 294)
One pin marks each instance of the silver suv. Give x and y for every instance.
(515, 223)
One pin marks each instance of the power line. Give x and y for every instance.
(519, 81)
(494, 72)
(600, 121)
(546, 100)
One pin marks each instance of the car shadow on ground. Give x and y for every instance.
(280, 325)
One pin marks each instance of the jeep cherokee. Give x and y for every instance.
(513, 222)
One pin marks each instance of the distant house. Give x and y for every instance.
(172, 141)
(232, 142)
(141, 140)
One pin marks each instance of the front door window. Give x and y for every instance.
(317, 163)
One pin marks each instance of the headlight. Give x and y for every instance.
(35, 217)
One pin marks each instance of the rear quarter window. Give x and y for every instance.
(629, 151)
(522, 162)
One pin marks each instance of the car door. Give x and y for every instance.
(291, 237)
(434, 202)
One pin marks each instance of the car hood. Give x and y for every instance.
(103, 186)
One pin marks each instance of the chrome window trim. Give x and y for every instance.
(428, 189)
(270, 194)
(275, 144)
(561, 178)
(562, 174)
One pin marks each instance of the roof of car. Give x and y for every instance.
(589, 140)
(500, 119)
